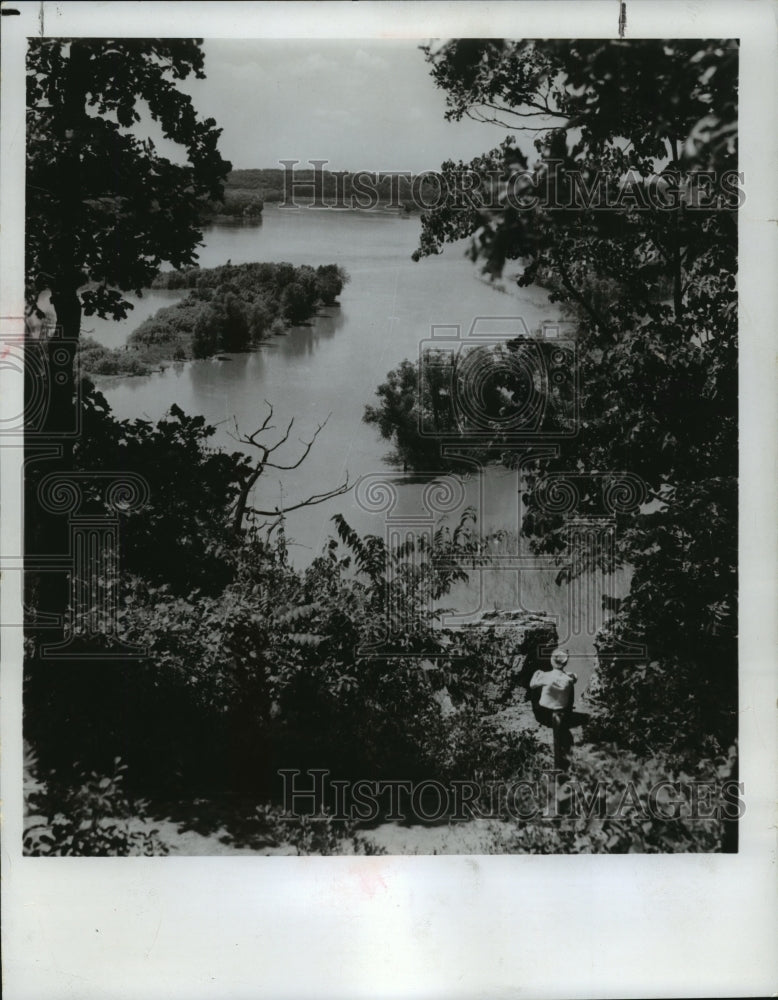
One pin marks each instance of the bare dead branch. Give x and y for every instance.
(283, 439)
(542, 109)
(316, 498)
(307, 446)
(252, 438)
(487, 120)
(265, 426)
(263, 463)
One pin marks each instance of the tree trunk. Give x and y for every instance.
(48, 449)
(677, 272)
(71, 133)
(61, 355)
(46, 532)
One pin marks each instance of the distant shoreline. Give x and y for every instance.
(309, 204)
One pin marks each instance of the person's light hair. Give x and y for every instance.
(559, 657)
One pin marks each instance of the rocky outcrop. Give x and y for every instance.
(521, 642)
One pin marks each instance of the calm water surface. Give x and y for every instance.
(330, 370)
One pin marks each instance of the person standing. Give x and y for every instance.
(557, 688)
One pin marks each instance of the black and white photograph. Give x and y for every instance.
(381, 445)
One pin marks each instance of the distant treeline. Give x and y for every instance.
(227, 308)
(236, 204)
(247, 191)
(335, 187)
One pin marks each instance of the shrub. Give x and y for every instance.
(330, 280)
(319, 835)
(99, 360)
(87, 815)
(621, 785)
(205, 337)
(228, 308)
(683, 699)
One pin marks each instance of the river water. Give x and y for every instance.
(330, 370)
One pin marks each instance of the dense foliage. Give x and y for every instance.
(237, 204)
(227, 308)
(246, 664)
(615, 802)
(475, 394)
(89, 816)
(646, 269)
(174, 539)
(104, 208)
(250, 665)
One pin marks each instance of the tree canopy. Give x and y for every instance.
(105, 208)
(628, 217)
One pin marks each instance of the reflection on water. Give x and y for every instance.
(114, 333)
(330, 369)
(307, 339)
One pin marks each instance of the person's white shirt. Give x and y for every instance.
(557, 688)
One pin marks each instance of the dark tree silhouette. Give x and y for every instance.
(104, 207)
(628, 216)
(104, 210)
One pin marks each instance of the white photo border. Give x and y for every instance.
(561, 926)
